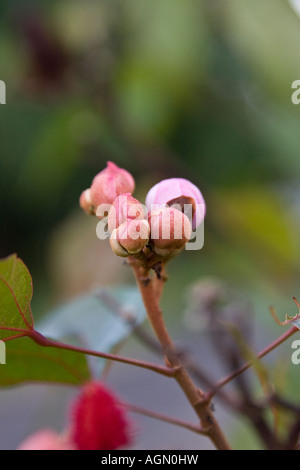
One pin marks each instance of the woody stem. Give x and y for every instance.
(195, 396)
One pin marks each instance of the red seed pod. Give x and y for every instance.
(98, 421)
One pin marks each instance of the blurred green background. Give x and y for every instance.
(199, 89)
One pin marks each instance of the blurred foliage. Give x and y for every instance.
(196, 88)
(104, 326)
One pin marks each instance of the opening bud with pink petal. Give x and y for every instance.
(109, 184)
(178, 191)
(170, 230)
(130, 237)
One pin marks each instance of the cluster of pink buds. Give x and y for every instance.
(174, 207)
(97, 422)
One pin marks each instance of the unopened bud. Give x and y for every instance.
(86, 202)
(110, 183)
(170, 230)
(130, 237)
(124, 207)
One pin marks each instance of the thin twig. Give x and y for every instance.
(246, 366)
(166, 419)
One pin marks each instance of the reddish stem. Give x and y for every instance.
(246, 366)
(48, 343)
(166, 419)
(194, 395)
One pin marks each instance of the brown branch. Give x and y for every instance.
(284, 404)
(159, 280)
(195, 396)
(294, 435)
(245, 406)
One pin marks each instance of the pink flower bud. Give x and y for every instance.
(178, 191)
(98, 420)
(130, 237)
(124, 207)
(109, 184)
(170, 230)
(86, 202)
(46, 439)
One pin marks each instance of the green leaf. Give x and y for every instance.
(28, 362)
(15, 297)
(90, 322)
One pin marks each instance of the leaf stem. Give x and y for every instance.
(48, 343)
